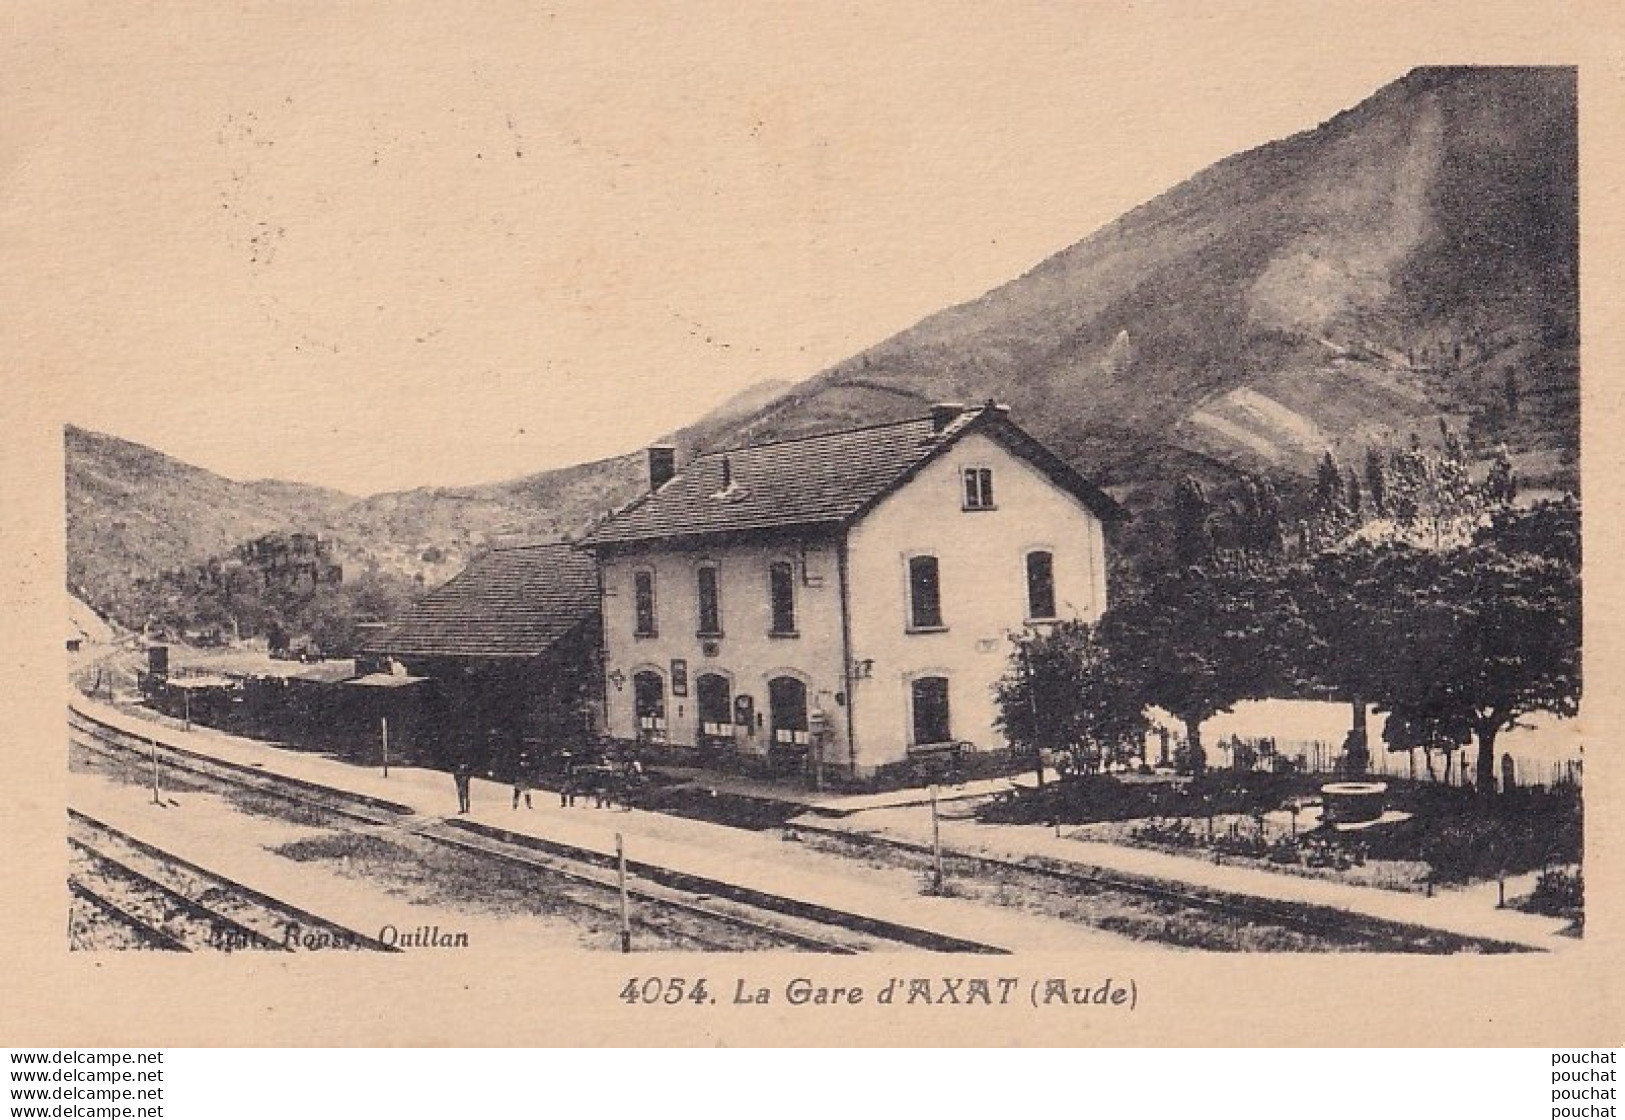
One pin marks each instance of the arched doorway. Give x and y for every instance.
(716, 710)
(649, 702)
(787, 701)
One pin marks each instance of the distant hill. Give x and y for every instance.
(741, 408)
(132, 511)
(434, 531)
(1413, 259)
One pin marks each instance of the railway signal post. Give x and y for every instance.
(620, 878)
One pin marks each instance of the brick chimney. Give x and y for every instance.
(662, 464)
(944, 414)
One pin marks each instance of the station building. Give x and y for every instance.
(842, 603)
(507, 653)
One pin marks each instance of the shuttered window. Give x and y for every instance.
(1040, 585)
(710, 602)
(929, 696)
(643, 584)
(782, 594)
(924, 593)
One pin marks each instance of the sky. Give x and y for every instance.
(376, 246)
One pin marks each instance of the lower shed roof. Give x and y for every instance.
(512, 602)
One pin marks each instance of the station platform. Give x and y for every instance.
(766, 861)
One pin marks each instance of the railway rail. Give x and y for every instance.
(675, 907)
(174, 904)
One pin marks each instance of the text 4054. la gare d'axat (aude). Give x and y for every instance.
(897, 991)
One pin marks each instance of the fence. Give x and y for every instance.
(1315, 756)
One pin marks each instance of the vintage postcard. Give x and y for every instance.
(1038, 525)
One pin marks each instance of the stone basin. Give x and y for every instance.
(1352, 802)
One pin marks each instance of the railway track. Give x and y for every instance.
(689, 911)
(172, 904)
(679, 909)
(1074, 880)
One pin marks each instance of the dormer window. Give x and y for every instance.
(978, 487)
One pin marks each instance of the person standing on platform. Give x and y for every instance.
(567, 786)
(523, 782)
(463, 775)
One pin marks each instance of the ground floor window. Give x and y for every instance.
(929, 697)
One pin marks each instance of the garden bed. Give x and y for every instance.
(1434, 834)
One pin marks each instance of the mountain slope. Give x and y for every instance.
(1345, 285)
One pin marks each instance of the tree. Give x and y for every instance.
(1475, 637)
(1550, 529)
(1429, 496)
(1502, 485)
(1376, 481)
(1352, 497)
(1345, 648)
(1257, 519)
(1196, 640)
(1065, 693)
(1328, 487)
(1412, 725)
(1192, 515)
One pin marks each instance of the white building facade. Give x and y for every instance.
(839, 604)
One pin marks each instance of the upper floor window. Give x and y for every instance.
(1040, 585)
(710, 599)
(978, 487)
(924, 593)
(643, 590)
(781, 581)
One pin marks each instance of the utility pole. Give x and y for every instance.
(1032, 707)
(383, 726)
(936, 844)
(620, 876)
(157, 799)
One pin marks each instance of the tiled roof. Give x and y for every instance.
(828, 479)
(512, 602)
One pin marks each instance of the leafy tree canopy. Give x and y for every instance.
(1066, 693)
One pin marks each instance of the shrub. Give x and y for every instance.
(1558, 892)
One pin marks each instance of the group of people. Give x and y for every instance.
(602, 778)
(596, 775)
